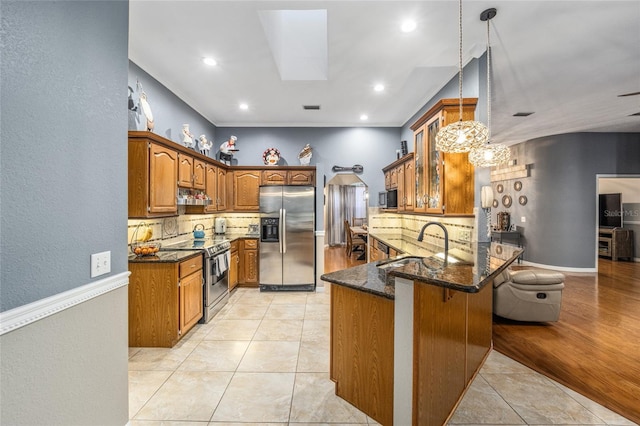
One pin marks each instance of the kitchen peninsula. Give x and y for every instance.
(409, 334)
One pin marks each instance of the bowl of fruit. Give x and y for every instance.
(141, 244)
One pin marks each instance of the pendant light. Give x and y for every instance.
(489, 155)
(461, 136)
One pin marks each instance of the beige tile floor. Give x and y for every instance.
(264, 360)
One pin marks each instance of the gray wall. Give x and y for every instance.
(371, 147)
(64, 153)
(473, 86)
(561, 190)
(63, 184)
(169, 111)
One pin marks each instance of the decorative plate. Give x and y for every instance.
(506, 201)
(271, 156)
(517, 185)
(522, 200)
(499, 188)
(496, 203)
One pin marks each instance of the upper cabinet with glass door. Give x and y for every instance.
(443, 181)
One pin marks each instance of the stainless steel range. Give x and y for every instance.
(216, 271)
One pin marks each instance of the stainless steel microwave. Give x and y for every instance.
(388, 199)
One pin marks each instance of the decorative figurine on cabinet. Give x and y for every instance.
(305, 155)
(187, 137)
(227, 149)
(204, 145)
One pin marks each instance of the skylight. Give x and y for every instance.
(298, 42)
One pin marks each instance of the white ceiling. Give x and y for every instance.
(566, 61)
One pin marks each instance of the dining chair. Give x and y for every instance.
(353, 244)
(358, 221)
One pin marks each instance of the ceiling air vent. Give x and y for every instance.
(635, 114)
(311, 107)
(522, 114)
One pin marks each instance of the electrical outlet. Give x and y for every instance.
(100, 263)
(523, 219)
(464, 235)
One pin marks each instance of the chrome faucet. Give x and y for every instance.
(446, 237)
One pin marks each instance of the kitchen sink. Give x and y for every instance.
(386, 266)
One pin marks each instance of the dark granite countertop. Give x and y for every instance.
(169, 256)
(465, 271)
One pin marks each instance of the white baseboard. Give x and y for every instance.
(559, 268)
(26, 314)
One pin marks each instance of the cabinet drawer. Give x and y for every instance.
(234, 245)
(190, 266)
(250, 244)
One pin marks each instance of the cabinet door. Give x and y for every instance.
(387, 180)
(250, 267)
(199, 174)
(246, 190)
(221, 201)
(233, 269)
(435, 179)
(211, 187)
(300, 177)
(409, 182)
(420, 170)
(190, 301)
(401, 190)
(185, 171)
(393, 178)
(274, 177)
(163, 174)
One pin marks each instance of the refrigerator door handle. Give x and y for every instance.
(280, 230)
(284, 230)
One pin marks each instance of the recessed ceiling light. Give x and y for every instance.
(210, 61)
(364, 117)
(378, 87)
(408, 26)
(244, 106)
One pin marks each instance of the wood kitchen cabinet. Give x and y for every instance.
(444, 182)
(234, 265)
(361, 348)
(185, 171)
(288, 177)
(246, 190)
(191, 172)
(165, 301)
(153, 173)
(400, 175)
(248, 253)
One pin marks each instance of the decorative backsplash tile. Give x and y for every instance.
(460, 229)
(178, 228)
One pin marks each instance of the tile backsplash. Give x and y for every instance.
(461, 229)
(177, 228)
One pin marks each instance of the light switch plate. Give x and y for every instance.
(100, 263)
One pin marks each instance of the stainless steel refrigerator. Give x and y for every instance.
(287, 243)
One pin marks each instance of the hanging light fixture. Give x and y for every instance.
(489, 155)
(461, 136)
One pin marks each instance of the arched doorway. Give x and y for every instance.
(347, 199)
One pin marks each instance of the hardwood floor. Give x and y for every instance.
(594, 348)
(335, 259)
